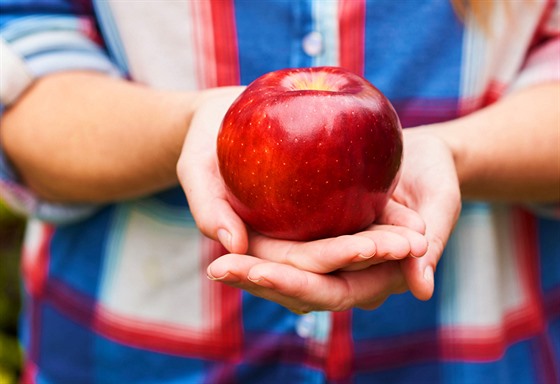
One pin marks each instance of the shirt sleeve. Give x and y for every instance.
(542, 66)
(38, 38)
(542, 63)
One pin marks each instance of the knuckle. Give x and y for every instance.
(343, 303)
(373, 303)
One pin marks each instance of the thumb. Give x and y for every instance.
(197, 170)
(211, 211)
(419, 272)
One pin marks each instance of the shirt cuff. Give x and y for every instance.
(31, 48)
(22, 201)
(543, 65)
(14, 75)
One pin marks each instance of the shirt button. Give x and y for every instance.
(312, 43)
(305, 325)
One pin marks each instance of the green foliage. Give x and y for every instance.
(10, 359)
(6, 215)
(11, 233)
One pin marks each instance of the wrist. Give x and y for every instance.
(447, 133)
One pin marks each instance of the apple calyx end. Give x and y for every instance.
(314, 81)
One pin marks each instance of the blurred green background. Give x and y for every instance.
(11, 234)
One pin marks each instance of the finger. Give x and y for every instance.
(398, 214)
(349, 252)
(305, 291)
(234, 270)
(211, 211)
(393, 243)
(302, 291)
(320, 256)
(199, 176)
(231, 268)
(396, 242)
(419, 273)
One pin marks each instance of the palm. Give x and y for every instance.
(428, 185)
(327, 275)
(359, 270)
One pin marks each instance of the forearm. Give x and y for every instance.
(87, 137)
(509, 151)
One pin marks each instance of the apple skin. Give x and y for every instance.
(310, 153)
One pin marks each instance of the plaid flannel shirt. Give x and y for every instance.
(118, 294)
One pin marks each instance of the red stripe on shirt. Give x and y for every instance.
(542, 31)
(223, 306)
(35, 262)
(340, 354)
(517, 324)
(29, 374)
(225, 43)
(352, 16)
(493, 92)
(160, 337)
(527, 243)
(479, 343)
(203, 37)
(35, 268)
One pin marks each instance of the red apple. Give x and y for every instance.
(310, 153)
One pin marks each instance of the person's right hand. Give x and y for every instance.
(305, 277)
(199, 175)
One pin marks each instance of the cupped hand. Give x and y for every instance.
(303, 277)
(344, 272)
(429, 185)
(199, 175)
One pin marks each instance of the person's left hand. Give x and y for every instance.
(329, 274)
(400, 237)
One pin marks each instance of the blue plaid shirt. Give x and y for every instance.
(118, 294)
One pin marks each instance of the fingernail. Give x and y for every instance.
(429, 274)
(261, 281)
(415, 256)
(225, 238)
(365, 257)
(214, 278)
(226, 277)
